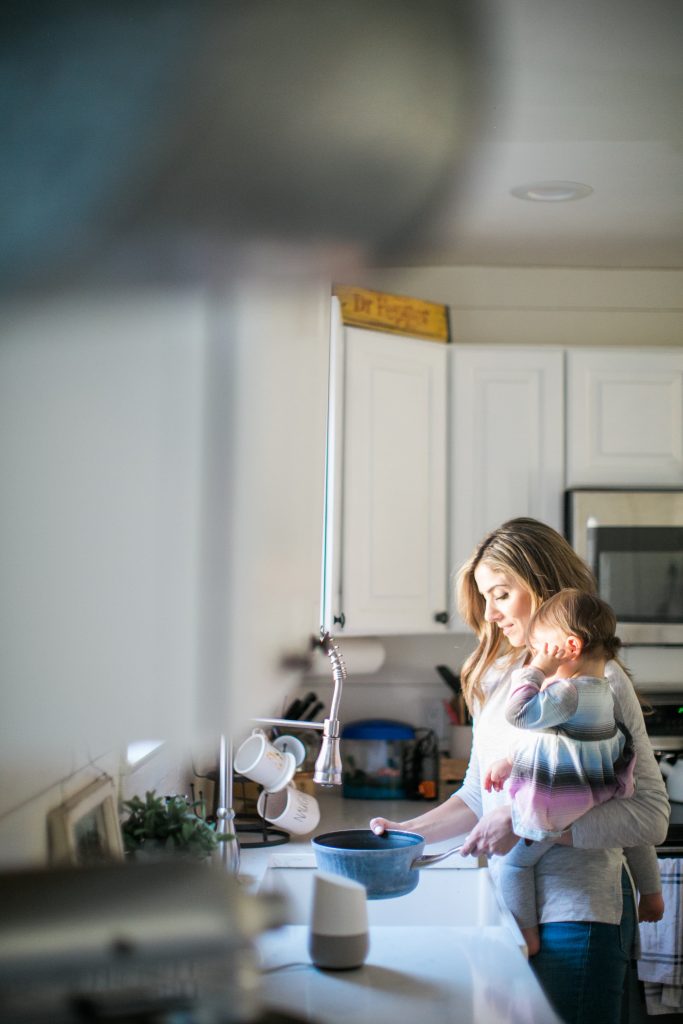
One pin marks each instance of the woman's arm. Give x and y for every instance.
(644, 868)
(462, 813)
(640, 820)
(451, 818)
(491, 834)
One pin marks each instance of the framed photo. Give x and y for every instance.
(85, 828)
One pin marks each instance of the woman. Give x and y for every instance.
(584, 895)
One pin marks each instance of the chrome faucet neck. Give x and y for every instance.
(328, 765)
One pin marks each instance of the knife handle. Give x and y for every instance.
(312, 712)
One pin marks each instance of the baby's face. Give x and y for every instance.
(546, 638)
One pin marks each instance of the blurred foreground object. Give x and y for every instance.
(122, 941)
(154, 135)
(176, 182)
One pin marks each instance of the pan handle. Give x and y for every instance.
(434, 858)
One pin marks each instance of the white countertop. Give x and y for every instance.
(435, 972)
(428, 974)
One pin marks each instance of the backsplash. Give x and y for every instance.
(407, 687)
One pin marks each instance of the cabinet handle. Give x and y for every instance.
(341, 619)
(441, 617)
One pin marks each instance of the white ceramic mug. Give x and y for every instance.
(260, 761)
(292, 744)
(290, 810)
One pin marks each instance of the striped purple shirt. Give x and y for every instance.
(572, 753)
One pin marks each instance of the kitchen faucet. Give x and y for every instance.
(328, 765)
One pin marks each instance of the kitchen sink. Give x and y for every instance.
(444, 896)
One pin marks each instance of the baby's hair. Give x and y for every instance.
(581, 614)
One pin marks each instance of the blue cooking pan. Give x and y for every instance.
(387, 865)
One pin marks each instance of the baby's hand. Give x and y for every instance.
(548, 658)
(651, 907)
(497, 774)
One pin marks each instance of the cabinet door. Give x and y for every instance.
(625, 417)
(507, 439)
(393, 566)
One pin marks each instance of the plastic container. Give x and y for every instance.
(375, 753)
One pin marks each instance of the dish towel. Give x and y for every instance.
(660, 967)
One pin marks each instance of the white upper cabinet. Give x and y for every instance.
(507, 424)
(432, 446)
(390, 572)
(625, 417)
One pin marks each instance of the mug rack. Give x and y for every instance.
(253, 831)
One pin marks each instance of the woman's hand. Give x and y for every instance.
(491, 835)
(380, 825)
(651, 907)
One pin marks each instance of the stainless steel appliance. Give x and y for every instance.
(633, 542)
(664, 724)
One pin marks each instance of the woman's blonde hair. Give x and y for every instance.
(578, 613)
(536, 557)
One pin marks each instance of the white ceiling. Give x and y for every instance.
(582, 90)
(338, 139)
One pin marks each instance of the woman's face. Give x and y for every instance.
(508, 603)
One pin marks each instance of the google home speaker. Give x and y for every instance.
(338, 938)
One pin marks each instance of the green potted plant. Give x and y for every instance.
(160, 826)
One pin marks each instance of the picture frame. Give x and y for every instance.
(85, 828)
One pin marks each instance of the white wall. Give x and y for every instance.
(162, 463)
(537, 306)
(25, 806)
(102, 404)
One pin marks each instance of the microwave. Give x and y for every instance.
(633, 542)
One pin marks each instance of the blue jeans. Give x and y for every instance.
(582, 965)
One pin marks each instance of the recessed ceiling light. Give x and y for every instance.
(552, 191)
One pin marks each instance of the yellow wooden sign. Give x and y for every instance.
(395, 313)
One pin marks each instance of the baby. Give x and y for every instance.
(572, 754)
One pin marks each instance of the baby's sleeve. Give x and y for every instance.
(530, 708)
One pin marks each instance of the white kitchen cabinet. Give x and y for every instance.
(512, 430)
(507, 440)
(389, 571)
(625, 417)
